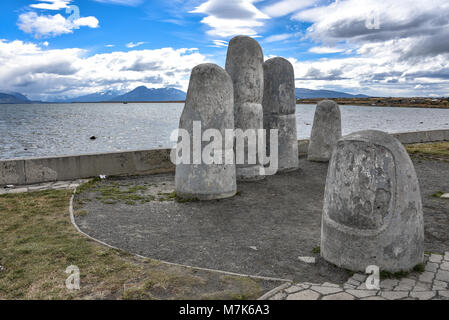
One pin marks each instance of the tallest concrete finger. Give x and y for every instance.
(244, 63)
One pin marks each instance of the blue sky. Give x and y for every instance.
(48, 50)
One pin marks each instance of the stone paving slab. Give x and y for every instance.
(57, 185)
(436, 286)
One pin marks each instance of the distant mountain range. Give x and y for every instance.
(302, 93)
(94, 97)
(143, 93)
(13, 97)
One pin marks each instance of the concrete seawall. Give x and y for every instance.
(36, 170)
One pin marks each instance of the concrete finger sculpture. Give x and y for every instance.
(279, 110)
(326, 131)
(207, 114)
(372, 212)
(244, 63)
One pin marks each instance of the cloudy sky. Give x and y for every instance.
(65, 48)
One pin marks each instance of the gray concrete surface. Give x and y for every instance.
(372, 213)
(264, 230)
(326, 130)
(209, 103)
(244, 63)
(279, 110)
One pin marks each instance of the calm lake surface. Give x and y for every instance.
(64, 129)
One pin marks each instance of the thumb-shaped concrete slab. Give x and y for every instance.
(244, 63)
(372, 212)
(326, 131)
(279, 111)
(203, 169)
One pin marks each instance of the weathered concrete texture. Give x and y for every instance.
(210, 102)
(244, 63)
(326, 131)
(372, 213)
(37, 170)
(12, 172)
(279, 110)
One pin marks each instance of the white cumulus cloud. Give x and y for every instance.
(52, 25)
(51, 4)
(231, 17)
(41, 73)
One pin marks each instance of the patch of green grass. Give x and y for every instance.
(316, 250)
(113, 193)
(438, 194)
(420, 268)
(88, 185)
(80, 213)
(401, 274)
(38, 243)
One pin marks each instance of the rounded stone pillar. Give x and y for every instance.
(209, 105)
(244, 63)
(279, 110)
(326, 131)
(372, 212)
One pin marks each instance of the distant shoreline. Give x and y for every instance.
(437, 103)
(416, 102)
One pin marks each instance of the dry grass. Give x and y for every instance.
(436, 149)
(38, 243)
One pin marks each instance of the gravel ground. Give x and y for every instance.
(261, 231)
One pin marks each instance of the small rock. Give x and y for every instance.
(253, 248)
(307, 259)
(445, 196)
(93, 138)
(9, 186)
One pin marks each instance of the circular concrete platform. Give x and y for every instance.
(262, 231)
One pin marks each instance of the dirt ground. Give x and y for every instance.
(261, 231)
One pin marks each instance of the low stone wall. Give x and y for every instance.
(36, 170)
